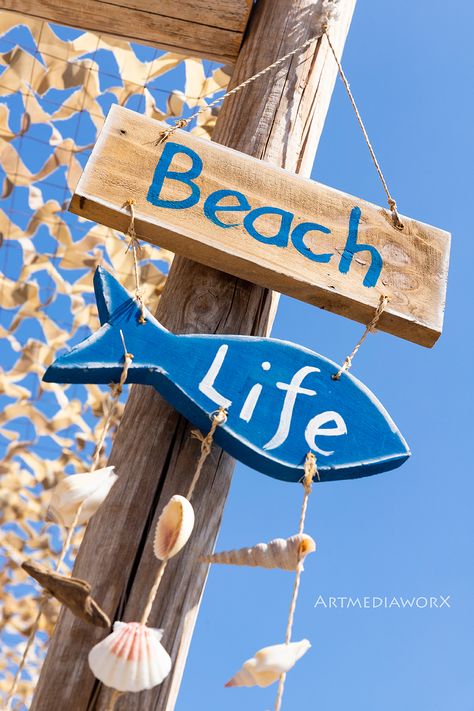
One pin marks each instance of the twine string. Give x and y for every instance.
(135, 247)
(26, 651)
(218, 418)
(184, 122)
(310, 471)
(368, 329)
(391, 202)
(116, 390)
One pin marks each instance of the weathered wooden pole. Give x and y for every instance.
(278, 119)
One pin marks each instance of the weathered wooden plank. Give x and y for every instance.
(264, 224)
(201, 28)
(278, 120)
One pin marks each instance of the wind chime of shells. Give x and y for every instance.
(132, 658)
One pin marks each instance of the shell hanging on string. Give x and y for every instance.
(89, 489)
(269, 663)
(284, 553)
(131, 658)
(174, 527)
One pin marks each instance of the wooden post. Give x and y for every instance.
(278, 119)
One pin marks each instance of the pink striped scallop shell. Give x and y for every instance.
(131, 658)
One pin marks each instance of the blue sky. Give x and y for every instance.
(405, 533)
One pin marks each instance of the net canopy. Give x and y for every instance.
(56, 87)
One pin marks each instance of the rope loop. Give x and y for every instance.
(135, 246)
(219, 417)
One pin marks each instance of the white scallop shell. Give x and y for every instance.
(131, 658)
(283, 553)
(89, 489)
(269, 664)
(174, 527)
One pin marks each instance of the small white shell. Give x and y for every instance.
(269, 663)
(174, 527)
(283, 553)
(89, 489)
(131, 658)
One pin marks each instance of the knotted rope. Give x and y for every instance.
(218, 418)
(134, 245)
(369, 329)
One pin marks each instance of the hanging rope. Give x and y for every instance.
(368, 329)
(391, 202)
(135, 246)
(116, 390)
(310, 471)
(183, 122)
(218, 418)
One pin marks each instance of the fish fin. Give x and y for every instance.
(109, 294)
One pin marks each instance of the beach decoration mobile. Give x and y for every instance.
(282, 409)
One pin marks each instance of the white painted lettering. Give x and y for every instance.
(315, 429)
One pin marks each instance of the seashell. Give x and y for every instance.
(284, 553)
(174, 527)
(88, 489)
(269, 664)
(131, 658)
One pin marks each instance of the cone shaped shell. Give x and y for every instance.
(269, 663)
(174, 527)
(89, 489)
(131, 658)
(284, 553)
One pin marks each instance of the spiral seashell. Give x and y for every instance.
(174, 527)
(88, 489)
(131, 658)
(284, 553)
(269, 663)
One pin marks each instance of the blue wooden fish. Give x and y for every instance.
(280, 397)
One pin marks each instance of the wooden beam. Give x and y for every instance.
(273, 228)
(277, 120)
(200, 28)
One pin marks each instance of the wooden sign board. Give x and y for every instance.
(280, 398)
(264, 224)
(200, 28)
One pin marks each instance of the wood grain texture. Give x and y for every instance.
(201, 28)
(414, 260)
(154, 454)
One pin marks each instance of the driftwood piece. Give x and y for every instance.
(74, 593)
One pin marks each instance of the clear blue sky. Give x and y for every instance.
(408, 532)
